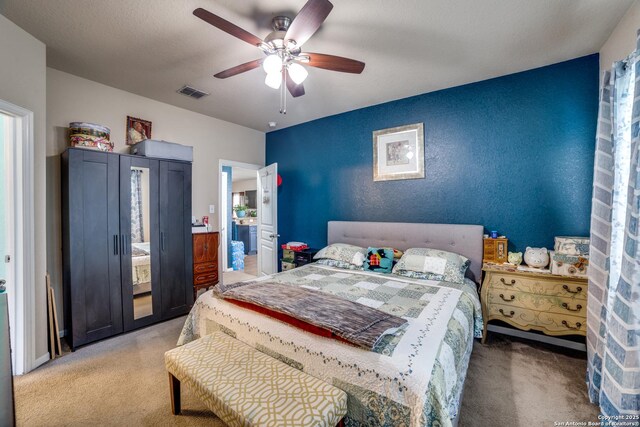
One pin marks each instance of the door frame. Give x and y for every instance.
(221, 191)
(222, 215)
(22, 188)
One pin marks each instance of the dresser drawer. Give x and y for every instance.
(205, 247)
(550, 323)
(200, 279)
(539, 302)
(205, 267)
(551, 286)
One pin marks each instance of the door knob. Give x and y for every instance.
(274, 235)
(2, 285)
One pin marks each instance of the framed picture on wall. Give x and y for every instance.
(137, 130)
(398, 153)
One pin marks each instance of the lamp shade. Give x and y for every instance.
(273, 80)
(272, 64)
(297, 73)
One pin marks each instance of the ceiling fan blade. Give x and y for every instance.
(226, 26)
(308, 20)
(334, 63)
(239, 69)
(294, 89)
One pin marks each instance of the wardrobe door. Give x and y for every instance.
(176, 261)
(92, 245)
(140, 234)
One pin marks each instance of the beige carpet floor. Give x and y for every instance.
(250, 271)
(122, 382)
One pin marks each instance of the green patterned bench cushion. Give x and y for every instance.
(245, 387)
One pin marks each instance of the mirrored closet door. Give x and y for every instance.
(139, 213)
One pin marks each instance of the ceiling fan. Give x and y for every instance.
(282, 48)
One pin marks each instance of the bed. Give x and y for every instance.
(415, 379)
(141, 266)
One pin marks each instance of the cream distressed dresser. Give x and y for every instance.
(554, 305)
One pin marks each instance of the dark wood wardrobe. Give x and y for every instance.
(126, 234)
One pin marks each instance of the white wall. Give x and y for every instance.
(622, 40)
(23, 83)
(71, 98)
(244, 185)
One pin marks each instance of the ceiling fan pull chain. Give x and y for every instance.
(283, 92)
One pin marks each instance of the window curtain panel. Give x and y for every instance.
(137, 230)
(613, 328)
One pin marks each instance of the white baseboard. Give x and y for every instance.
(41, 360)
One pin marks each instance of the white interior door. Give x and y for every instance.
(224, 177)
(17, 259)
(7, 238)
(267, 202)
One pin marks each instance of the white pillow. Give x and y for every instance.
(343, 252)
(432, 264)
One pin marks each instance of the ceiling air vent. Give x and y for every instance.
(192, 92)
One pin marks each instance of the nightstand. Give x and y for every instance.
(551, 304)
(292, 259)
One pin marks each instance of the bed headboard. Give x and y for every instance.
(463, 239)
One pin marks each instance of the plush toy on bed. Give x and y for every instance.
(379, 260)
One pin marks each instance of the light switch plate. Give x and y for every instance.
(212, 208)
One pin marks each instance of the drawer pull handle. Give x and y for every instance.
(566, 306)
(577, 291)
(578, 325)
(504, 282)
(507, 299)
(511, 313)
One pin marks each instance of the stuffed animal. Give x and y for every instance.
(536, 257)
(515, 258)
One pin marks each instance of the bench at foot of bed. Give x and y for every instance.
(245, 387)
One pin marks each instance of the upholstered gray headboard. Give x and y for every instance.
(463, 239)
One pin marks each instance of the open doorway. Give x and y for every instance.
(238, 221)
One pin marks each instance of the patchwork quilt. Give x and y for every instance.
(411, 378)
(353, 322)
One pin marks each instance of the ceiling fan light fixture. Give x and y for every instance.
(297, 73)
(266, 48)
(272, 64)
(284, 57)
(273, 80)
(291, 44)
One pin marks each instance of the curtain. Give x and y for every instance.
(613, 316)
(137, 229)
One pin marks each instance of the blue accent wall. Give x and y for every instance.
(514, 154)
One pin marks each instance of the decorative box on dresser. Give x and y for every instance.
(205, 261)
(554, 305)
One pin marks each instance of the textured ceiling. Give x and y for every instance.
(153, 47)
